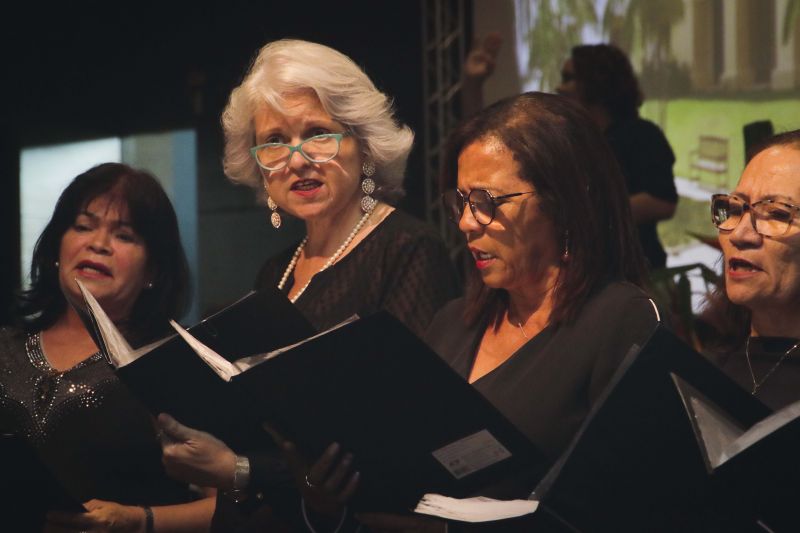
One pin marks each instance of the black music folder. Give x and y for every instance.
(635, 464)
(168, 376)
(412, 423)
(758, 461)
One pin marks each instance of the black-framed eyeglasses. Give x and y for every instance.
(482, 203)
(770, 218)
(317, 149)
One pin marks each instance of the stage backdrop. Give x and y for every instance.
(708, 68)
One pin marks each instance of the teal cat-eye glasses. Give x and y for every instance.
(317, 149)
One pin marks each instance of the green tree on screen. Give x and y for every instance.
(555, 27)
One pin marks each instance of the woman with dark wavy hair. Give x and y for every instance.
(554, 299)
(115, 230)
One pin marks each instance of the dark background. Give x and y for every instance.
(92, 70)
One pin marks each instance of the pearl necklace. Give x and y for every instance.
(336, 255)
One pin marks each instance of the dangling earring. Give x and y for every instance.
(275, 217)
(368, 186)
(565, 255)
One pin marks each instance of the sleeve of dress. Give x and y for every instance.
(629, 321)
(651, 168)
(422, 278)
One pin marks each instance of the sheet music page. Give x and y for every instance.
(118, 348)
(226, 369)
(246, 363)
(717, 430)
(218, 364)
(478, 509)
(772, 423)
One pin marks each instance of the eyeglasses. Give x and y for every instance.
(770, 218)
(482, 203)
(317, 149)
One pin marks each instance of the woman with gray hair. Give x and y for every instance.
(310, 131)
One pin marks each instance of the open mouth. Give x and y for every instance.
(740, 265)
(481, 256)
(306, 185)
(482, 259)
(90, 267)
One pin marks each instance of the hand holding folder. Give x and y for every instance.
(412, 424)
(169, 376)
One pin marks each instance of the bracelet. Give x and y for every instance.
(149, 520)
(241, 472)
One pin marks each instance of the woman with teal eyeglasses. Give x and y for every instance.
(319, 142)
(310, 131)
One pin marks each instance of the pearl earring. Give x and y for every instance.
(368, 186)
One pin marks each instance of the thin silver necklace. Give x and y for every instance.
(757, 384)
(519, 325)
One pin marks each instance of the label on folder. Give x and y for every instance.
(471, 454)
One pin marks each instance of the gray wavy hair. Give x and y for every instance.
(289, 66)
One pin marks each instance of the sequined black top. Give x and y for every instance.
(96, 438)
(401, 266)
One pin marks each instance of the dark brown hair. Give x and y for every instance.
(606, 78)
(152, 217)
(581, 190)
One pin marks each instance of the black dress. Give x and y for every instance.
(402, 266)
(779, 379)
(645, 158)
(547, 387)
(85, 425)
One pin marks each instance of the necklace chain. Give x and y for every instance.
(519, 325)
(757, 384)
(331, 260)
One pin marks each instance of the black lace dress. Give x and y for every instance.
(401, 266)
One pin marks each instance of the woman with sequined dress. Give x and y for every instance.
(757, 312)
(115, 230)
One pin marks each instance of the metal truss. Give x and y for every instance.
(443, 50)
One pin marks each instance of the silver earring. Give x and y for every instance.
(565, 255)
(58, 265)
(149, 285)
(368, 186)
(275, 217)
